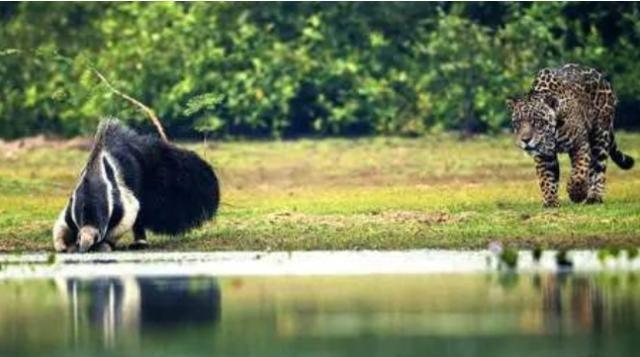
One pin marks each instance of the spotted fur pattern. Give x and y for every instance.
(570, 109)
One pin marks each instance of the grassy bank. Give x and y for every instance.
(380, 193)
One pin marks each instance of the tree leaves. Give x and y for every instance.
(282, 69)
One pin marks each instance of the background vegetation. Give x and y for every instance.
(291, 69)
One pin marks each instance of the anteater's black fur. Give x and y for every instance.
(176, 189)
(179, 190)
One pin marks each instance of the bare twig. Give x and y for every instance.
(152, 115)
(147, 110)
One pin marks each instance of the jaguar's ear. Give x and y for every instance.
(551, 101)
(512, 103)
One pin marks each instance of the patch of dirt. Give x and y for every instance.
(16, 245)
(552, 217)
(403, 217)
(10, 149)
(420, 217)
(297, 174)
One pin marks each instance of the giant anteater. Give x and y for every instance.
(134, 182)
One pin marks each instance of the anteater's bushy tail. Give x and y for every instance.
(180, 190)
(621, 159)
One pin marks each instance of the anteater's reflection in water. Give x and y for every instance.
(129, 306)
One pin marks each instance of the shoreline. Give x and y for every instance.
(295, 263)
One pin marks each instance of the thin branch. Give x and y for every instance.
(149, 111)
(152, 115)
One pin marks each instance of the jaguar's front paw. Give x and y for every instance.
(593, 199)
(551, 203)
(577, 190)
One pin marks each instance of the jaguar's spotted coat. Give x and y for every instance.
(570, 109)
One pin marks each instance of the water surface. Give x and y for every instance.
(483, 314)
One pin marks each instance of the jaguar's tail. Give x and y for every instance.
(623, 160)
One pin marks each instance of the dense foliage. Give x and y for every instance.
(289, 69)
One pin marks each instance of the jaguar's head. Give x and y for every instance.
(534, 120)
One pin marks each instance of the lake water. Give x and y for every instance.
(470, 314)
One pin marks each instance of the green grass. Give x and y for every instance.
(376, 193)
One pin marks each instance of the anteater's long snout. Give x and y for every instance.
(87, 237)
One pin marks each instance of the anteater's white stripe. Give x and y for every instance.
(130, 205)
(103, 174)
(73, 196)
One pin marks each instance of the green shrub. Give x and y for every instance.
(290, 69)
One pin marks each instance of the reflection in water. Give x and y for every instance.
(577, 298)
(178, 301)
(125, 306)
(591, 304)
(496, 315)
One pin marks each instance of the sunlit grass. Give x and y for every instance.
(383, 193)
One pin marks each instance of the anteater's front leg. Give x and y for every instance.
(548, 171)
(103, 247)
(64, 238)
(139, 235)
(578, 185)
